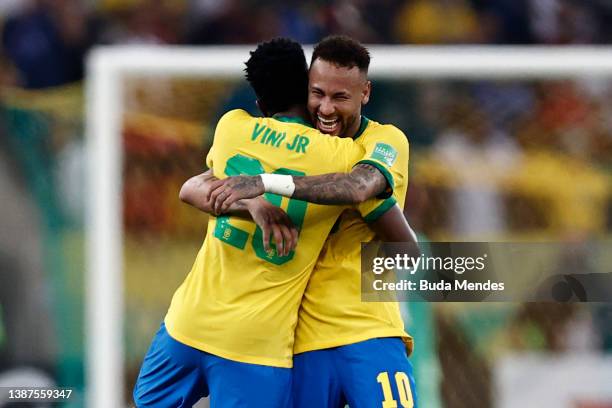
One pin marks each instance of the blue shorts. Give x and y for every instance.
(364, 375)
(176, 375)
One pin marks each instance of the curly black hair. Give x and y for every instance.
(278, 72)
(342, 51)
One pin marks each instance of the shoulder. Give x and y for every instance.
(331, 141)
(394, 135)
(384, 133)
(234, 115)
(232, 124)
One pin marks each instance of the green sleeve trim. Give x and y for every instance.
(390, 185)
(380, 210)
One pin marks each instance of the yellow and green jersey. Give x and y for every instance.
(240, 302)
(332, 313)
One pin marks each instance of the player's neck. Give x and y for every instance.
(354, 129)
(293, 112)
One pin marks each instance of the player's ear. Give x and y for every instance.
(365, 96)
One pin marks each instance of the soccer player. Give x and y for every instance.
(230, 327)
(346, 350)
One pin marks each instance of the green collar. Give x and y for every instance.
(292, 119)
(362, 126)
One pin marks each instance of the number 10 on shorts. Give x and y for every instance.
(403, 390)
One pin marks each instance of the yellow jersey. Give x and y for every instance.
(240, 302)
(332, 313)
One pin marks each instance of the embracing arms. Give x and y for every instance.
(389, 227)
(363, 182)
(272, 220)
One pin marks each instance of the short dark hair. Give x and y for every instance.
(278, 72)
(342, 51)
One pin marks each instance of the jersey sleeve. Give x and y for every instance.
(372, 209)
(388, 152)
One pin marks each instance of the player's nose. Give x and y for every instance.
(326, 108)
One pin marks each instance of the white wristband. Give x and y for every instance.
(278, 184)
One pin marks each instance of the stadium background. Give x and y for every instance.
(490, 160)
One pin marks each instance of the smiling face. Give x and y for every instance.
(335, 97)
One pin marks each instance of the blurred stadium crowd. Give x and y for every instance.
(490, 160)
(45, 40)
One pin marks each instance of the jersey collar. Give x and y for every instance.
(362, 126)
(292, 119)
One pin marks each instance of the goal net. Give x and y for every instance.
(507, 144)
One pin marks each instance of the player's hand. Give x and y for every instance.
(274, 222)
(223, 193)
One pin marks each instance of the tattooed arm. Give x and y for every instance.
(363, 182)
(273, 221)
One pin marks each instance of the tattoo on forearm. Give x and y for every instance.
(363, 182)
(370, 176)
(245, 183)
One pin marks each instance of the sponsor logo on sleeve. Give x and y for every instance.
(384, 153)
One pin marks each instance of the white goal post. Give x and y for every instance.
(107, 67)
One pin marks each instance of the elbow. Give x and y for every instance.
(193, 192)
(184, 193)
(363, 192)
(360, 196)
